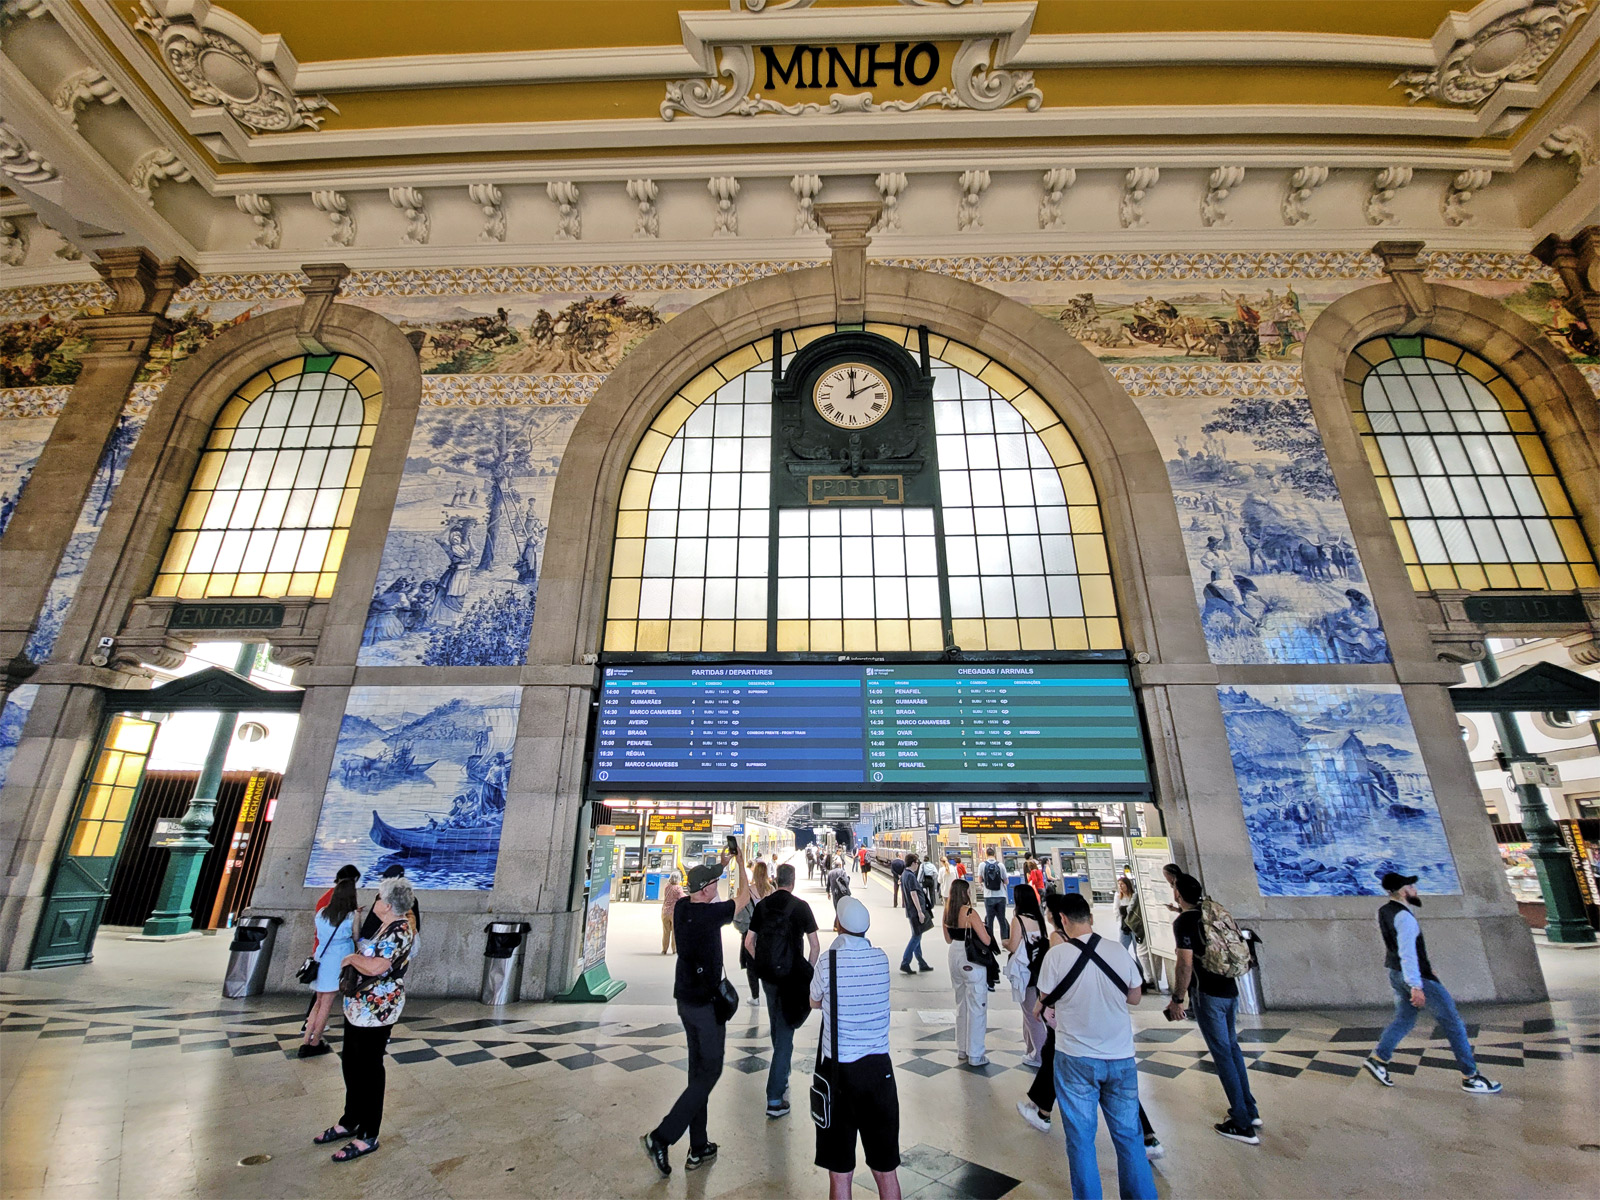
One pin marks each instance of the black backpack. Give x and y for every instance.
(774, 952)
(994, 878)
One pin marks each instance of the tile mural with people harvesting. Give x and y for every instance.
(460, 569)
(1274, 564)
(419, 778)
(1334, 788)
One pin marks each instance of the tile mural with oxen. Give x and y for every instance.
(419, 779)
(1275, 569)
(460, 569)
(1335, 792)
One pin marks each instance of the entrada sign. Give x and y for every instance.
(225, 616)
(834, 66)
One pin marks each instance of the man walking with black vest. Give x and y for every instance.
(1415, 985)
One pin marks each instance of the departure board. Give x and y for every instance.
(941, 727)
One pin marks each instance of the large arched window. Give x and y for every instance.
(1014, 559)
(270, 506)
(1472, 496)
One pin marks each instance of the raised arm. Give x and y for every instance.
(743, 897)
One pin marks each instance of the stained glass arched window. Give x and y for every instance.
(1472, 495)
(271, 502)
(702, 563)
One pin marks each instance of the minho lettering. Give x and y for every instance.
(915, 64)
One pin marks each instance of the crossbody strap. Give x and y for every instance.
(1085, 957)
(833, 1010)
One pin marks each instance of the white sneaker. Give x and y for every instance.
(977, 1062)
(1031, 1114)
(1153, 1149)
(1032, 1064)
(1479, 1085)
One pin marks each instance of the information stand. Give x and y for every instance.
(1150, 854)
(595, 984)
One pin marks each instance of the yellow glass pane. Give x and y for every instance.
(166, 585)
(964, 357)
(627, 559)
(205, 475)
(192, 587)
(651, 447)
(968, 633)
(740, 361)
(1572, 541)
(334, 554)
(286, 370)
(346, 367)
(95, 801)
(1553, 495)
(1443, 351)
(1071, 633)
(1099, 600)
(132, 770)
(895, 333)
(1002, 381)
(806, 335)
(1419, 581)
(275, 584)
(1001, 633)
(636, 487)
(1560, 577)
(254, 388)
(1520, 422)
(368, 435)
(1104, 633)
(672, 416)
(1375, 459)
(178, 551)
(624, 599)
(1063, 450)
(894, 635)
(1440, 575)
(1078, 484)
(827, 636)
(110, 838)
(121, 802)
(1538, 461)
(1376, 351)
(716, 636)
(652, 635)
(358, 469)
(1361, 423)
(1084, 518)
(302, 583)
(1500, 575)
(83, 838)
(632, 524)
(937, 345)
(927, 634)
(1471, 577)
(1585, 575)
(1036, 633)
(860, 635)
(228, 418)
(1391, 502)
(794, 636)
(1477, 368)
(750, 635)
(194, 511)
(250, 584)
(619, 636)
(1352, 393)
(1530, 575)
(109, 764)
(347, 508)
(325, 585)
(697, 390)
(367, 383)
(683, 636)
(1508, 396)
(1035, 411)
(220, 585)
(1090, 551)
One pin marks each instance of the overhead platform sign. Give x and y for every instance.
(907, 728)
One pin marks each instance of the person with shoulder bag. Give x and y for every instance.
(372, 980)
(335, 925)
(1027, 946)
(971, 958)
(853, 1093)
(919, 912)
(760, 889)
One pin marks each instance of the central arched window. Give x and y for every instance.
(1014, 559)
(271, 502)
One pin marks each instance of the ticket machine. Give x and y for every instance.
(659, 864)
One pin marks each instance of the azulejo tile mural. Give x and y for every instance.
(13, 716)
(21, 442)
(1334, 788)
(1274, 564)
(419, 778)
(460, 569)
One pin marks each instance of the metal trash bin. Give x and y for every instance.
(1250, 981)
(502, 961)
(249, 956)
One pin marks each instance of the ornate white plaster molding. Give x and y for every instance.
(338, 209)
(155, 167)
(19, 161)
(724, 190)
(1137, 182)
(82, 88)
(13, 243)
(13, 11)
(643, 192)
(1222, 181)
(973, 185)
(419, 227)
(1301, 184)
(202, 49)
(889, 184)
(1572, 142)
(1384, 186)
(1462, 189)
(1056, 182)
(563, 194)
(66, 252)
(1501, 41)
(259, 208)
(806, 188)
(490, 202)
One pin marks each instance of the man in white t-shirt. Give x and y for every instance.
(1091, 983)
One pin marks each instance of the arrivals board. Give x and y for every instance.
(993, 823)
(912, 727)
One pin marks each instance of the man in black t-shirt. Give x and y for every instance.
(1216, 1001)
(776, 928)
(897, 867)
(697, 922)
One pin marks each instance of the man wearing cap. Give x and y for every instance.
(853, 976)
(1417, 987)
(697, 922)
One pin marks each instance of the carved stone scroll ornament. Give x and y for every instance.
(268, 232)
(218, 72)
(19, 161)
(1465, 185)
(1056, 182)
(13, 243)
(338, 209)
(969, 214)
(418, 226)
(155, 167)
(974, 84)
(563, 194)
(81, 89)
(1218, 187)
(1384, 186)
(13, 11)
(1572, 142)
(1138, 181)
(1301, 184)
(724, 190)
(489, 201)
(643, 192)
(805, 189)
(1508, 49)
(889, 184)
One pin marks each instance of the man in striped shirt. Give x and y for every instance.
(854, 975)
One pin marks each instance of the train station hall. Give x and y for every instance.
(766, 598)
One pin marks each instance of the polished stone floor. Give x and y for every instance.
(131, 1077)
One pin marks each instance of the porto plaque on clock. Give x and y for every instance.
(853, 417)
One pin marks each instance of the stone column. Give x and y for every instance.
(48, 509)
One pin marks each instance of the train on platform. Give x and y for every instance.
(763, 841)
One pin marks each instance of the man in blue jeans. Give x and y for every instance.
(1415, 985)
(777, 926)
(1216, 1003)
(914, 899)
(1090, 983)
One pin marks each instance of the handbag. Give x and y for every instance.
(352, 982)
(725, 1002)
(312, 966)
(822, 1087)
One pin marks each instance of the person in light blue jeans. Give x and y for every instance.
(1215, 1015)
(1112, 1086)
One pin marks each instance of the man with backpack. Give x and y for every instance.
(897, 868)
(1213, 954)
(919, 911)
(993, 879)
(1090, 984)
(837, 881)
(777, 926)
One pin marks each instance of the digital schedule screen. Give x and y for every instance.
(1040, 727)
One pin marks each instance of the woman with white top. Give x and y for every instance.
(969, 980)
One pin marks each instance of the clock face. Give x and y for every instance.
(852, 395)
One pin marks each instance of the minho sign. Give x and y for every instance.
(914, 63)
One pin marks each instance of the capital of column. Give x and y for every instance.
(848, 225)
(139, 282)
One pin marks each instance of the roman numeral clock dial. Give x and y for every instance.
(852, 396)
